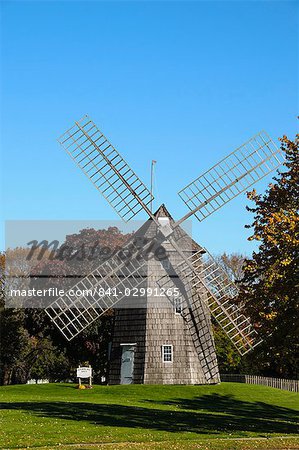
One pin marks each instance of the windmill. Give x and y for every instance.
(202, 283)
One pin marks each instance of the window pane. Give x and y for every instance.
(167, 353)
(178, 305)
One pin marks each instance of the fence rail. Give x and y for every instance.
(287, 385)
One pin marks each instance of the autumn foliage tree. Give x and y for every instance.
(271, 279)
(31, 346)
(232, 264)
(78, 255)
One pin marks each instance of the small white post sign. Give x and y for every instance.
(84, 372)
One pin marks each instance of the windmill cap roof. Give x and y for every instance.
(162, 211)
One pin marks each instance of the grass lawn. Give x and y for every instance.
(228, 416)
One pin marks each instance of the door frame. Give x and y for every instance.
(123, 345)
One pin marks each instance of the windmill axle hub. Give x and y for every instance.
(166, 230)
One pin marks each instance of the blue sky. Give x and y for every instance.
(180, 82)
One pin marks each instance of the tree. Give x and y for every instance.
(78, 255)
(14, 342)
(271, 277)
(50, 363)
(14, 338)
(232, 264)
(31, 346)
(229, 360)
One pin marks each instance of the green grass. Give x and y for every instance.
(228, 416)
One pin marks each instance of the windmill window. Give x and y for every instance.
(167, 353)
(178, 305)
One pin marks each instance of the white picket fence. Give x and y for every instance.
(280, 383)
(33, 381)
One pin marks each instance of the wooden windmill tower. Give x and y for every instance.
(163, 307)
(154, 340)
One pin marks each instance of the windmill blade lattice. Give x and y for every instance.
(231, 176)
(106, 168)
(196, 314)
(126, 193)
(72, 314)
(220, 297)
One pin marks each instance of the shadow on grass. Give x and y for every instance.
(65, 386)
(227, 404)
(221, 414)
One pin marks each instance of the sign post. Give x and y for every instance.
(84, 372)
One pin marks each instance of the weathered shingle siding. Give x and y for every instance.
(194, 357)
(129, 327)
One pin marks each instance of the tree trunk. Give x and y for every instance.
(6, 376)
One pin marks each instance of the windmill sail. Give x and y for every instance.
(231, 176)
(106, 169)
(220, 297)
(196, 314)
(205, 280)
(99, 291)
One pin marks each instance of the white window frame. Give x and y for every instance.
(164, 354)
